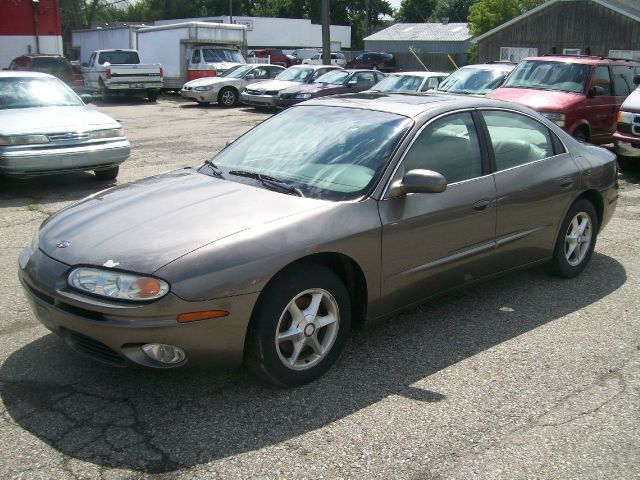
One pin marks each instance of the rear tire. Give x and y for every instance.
(576, 240)
(152, 95)
(581, 135)
(108, 173)
(299, 326)
(228, 97)
(104, 92)
(627, 163)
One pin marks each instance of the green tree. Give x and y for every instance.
(488, 14)
(415, 11)
(456, 10)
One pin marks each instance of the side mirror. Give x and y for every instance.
(86, 98)
(352, 83)
(596, 91)
(418, 181)
(251, 76)
(636, 80)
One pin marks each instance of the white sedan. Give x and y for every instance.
(225, 89)
(336, 59)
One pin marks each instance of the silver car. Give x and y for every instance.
(269, 253)
(46, 128)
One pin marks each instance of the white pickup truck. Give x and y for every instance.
(113, 72)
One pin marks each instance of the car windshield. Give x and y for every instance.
(339, 153)
(119, 57)
(24, 92)
(295, 75)
(217, 55)
(398, 83)
(336, 77)
(229, 71)
(476, 81)
(238, 72)
(550, 75)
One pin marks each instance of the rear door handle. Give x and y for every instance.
(481, 205)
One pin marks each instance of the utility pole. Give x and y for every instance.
(231, 12)
(326, 33)
(366, 16)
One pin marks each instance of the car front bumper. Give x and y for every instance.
(200, 96)
(259, 100)
(289, 102)
(626, 145)
(25, 161)
(114, 333)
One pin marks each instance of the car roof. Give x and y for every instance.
(505, 67)
(584, 59)
(315, 67)
(23, 74)
(409, 104)
(419, 74)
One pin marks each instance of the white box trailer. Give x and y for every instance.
(110, 38)
(172, 45)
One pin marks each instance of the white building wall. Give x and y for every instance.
(12, 46)
(278, 32)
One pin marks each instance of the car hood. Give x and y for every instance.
(144, 225)
(205, 81)
(540, 100)
(632, 103)
(16, 121)
(313, 88)
(273, 85)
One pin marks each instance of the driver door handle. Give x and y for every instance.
(481, 205)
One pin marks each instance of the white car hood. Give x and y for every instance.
(206, 81)
(17, 121)
(273, 85)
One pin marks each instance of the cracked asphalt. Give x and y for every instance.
(526, 376)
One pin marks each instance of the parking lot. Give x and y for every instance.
(526, 376)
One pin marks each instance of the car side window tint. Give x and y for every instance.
(195, 57)
(602, 79)
(365, 79)
(274, 72)
(359, 58)
(622, 80)
(517, 139)
(260, 73)
(448, 146)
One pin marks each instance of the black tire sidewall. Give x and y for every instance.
(262, 357)
(108, 174)
(560, 265)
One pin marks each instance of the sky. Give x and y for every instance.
(395, 3)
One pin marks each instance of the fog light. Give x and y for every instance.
(162, 353)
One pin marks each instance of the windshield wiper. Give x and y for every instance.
(214, 168)
(268, 181)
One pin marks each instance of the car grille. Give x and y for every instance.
(61, 137)
(271, 92)
(255, 92)
(92, 348)
(286, 96)
(635, 127)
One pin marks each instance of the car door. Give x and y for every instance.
(535, 181)
(622, 86)
(601, 103)
(433, 242)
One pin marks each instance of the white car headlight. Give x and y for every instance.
(625, 117)
(204, 88)
(117, 285)
(107, 133)
(557, 118)
(23, 139)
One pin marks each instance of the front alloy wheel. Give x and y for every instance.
(299, 326)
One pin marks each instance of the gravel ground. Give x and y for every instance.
(527, 376)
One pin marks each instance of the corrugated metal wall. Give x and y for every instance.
(432, 54)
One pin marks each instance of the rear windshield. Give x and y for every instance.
(119, 57)
(217, 55)
(549, 75)
(51, 65)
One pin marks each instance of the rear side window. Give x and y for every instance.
(517, 139)
(448, 146)
(602, 79)
(623, 80)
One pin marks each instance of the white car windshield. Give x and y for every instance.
(296, 75)
(398, 83)
(239, 72)
(337, 77)
(25, 92)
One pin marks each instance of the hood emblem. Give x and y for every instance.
(63, 244)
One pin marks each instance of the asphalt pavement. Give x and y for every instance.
(526, 376)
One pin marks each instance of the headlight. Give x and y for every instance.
(23, 139)
(118, 285)
(204, 88)
(302, 96)
(35, 242)
(625, 117)
(108, 133)
(557, 118)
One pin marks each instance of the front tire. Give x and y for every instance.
(299, 326)
(108, 173)
(228, 97)
(576, 240)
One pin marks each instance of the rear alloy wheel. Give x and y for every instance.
(108, 173)
(228, 97)
(576, 240)
(299, 327)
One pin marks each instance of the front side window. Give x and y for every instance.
(517, 139)
(549, 75)
(339, 153)
(365, 79)
(431, 83)
(448, 146)
(195, 57)
(602, 79)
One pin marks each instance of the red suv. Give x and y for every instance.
(581, 94)
(275, 56)
(373, 61)
(52, 64)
